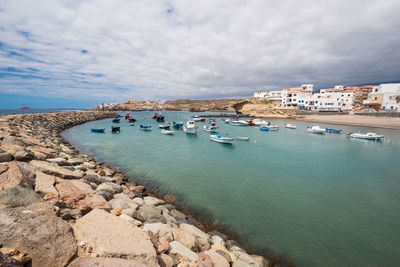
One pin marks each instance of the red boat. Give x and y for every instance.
(250, 123)
(155, 115)
(127, 116)
(202, 120)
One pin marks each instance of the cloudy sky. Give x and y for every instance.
(111, 50)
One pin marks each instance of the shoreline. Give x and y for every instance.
(77, 192)
(354, 120)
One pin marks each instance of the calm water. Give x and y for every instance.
(33, 110)
(319, 200)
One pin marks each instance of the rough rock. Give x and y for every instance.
(118, 204)
(242, 255)
(179, 252)
(165, 261)
(170, 198)
(217, 259)
(114, 237)
(262, 262)
(202, 238)
(138, 201)
(18, 197)
(44, 183)
(163, 243)
(110, 188)
(77, 194)
(5, 157)
(177, 214)
(240, 263)
(59, 161)
(130, 220)
(52, 169)
(16, 173)
(153, 201)
(129, 212)
(69, 214)
(158, 229)
(186, 239)
(36, 230)
(217, 239)
(148, 213)
(105, 262)
(205, 260)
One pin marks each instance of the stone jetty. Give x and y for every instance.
(62, 208)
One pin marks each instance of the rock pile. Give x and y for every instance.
(59, 207)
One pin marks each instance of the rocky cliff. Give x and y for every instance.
(201, 105)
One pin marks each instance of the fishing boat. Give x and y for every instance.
(222, 139)
(115, 129)
(160, 118)
(155, 115)
(210, 129)
(316, 130)
(190, 127)
(127, 116)
(367, 136)
(250, 123)
(97, 130)
(290, 126)
(177, 125)
(131, 119)
(239, 123)
(116, 120)
(333, 130)
(269, 127)
(242, 138)
(259, 122)
(164, 126)
(167, 132)
(145, 127)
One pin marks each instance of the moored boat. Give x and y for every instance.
(131, 124)
(333, 130)
(145, 127)
(160, 118)
(211, 128)
(270, 128)
(177, 125)
(243, 138)
(115, 129)
(222, 139)
(190, 127)
(155, 115)
(116, 120)
(259, 122)
(367, 136)
(164, 126)
(316, 130)
(167, 132)
(239, 123)
(131, 119)
(196, 118)
(290, 126)
(97, 130)
(226, 121)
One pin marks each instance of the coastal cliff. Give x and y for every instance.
(201, 105)
(62, 208)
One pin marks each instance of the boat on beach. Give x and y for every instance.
(97, 130)
(167, 132)
(190, 127)
(333, 130)
(145, 127)
(316, 129)
(222, 139)
(290, 126)
(367, 136)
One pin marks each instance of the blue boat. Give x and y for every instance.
(178, 126)
(145, 127)
(116, 120)
(97, 130)
(333, 130)
(264, 129)
(222, 139)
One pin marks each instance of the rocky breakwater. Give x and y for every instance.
(62, 208)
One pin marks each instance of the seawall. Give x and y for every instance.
(59, 207)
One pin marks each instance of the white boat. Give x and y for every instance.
(290, 126)
(145, 127)
(316, 130)
(243, 138)
(227, 121)
(259, 122)
(190, 127)
(210, 129)
(222, 139)
(367, 136)
(239, 123)
(167, 132)
(197, 118)
(131, 124)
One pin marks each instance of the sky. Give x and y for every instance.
(71, 53)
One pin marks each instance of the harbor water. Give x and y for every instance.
(320, 200)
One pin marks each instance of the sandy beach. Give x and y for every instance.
(354, 120)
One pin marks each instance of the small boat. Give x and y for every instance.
(24, 107)
(116, 120)
(160, 118)
(250, 123)
(167, 132)
(210, 120)
(131, 124)
(239, 123)
(367, 136)
(155, 115)
(316, 130)
(270, 128)
(242, 138)
(222, 139)
(131, 119)
(164, 126)
(264, 129)
(290, 126)
(190, 127)
(177, 125)
(97, 130)
(127, 116)
(333, 130)
(259, 122)
(145, 127)
(196, 118)
(115, 129)
(226, 121)
(211, 128)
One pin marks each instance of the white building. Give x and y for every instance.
(295, 97)
(330, 101)
(384, 97)
(269, 95)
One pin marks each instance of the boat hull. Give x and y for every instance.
(222, 139)
(97, 130)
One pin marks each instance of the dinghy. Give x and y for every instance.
(239, 123)
(97, 130)
(290, 126)
(242, 138)
(167, 132)
(210, 129)
(164, 126)
(145, 127)
(333, 130)
(316, 130)
(116, 120)
(222, 139)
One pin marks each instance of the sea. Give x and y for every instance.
(34, 110)
(318, 200)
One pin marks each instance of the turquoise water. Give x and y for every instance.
(321, 200)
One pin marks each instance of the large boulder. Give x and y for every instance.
(158, 229)
(217, 259)
(109, 187)
(52, 169)
(29, 224)
(105, 262)
(16, 173)
(5, 157)
(44, 184)
(202, 238)
(148, 213)
(185, 238)
(179, 252)
(79, 195)
(110, 236)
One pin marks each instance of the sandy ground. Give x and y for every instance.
(370, 121)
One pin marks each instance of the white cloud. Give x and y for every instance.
(194, 49)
